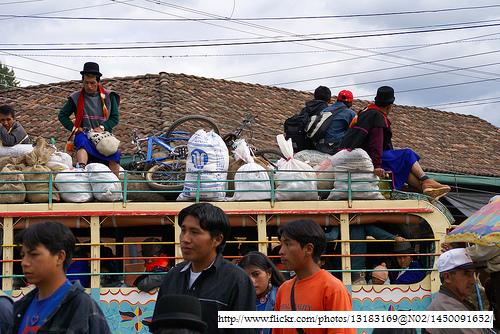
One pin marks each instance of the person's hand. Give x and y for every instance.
(399, 239)
(97, 129)
(379, 172)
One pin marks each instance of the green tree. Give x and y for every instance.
(7, 77)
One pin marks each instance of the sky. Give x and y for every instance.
(439, 54)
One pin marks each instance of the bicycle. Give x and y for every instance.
(164, 161)
(268, 154)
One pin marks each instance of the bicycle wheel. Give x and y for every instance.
(184, 127)
(167, 176)
(270, 155)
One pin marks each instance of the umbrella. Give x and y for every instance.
(482, 227)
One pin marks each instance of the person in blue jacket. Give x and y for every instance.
(408, 274)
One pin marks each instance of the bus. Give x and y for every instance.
(121, 228)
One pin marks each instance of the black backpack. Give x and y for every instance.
(295, 126)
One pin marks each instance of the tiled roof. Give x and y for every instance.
(446, 142)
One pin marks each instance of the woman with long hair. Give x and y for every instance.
(266, 279)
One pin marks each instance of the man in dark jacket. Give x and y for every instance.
(217, 283)
(6, 317)
(295, 126)
(55, 305)
(11, 131)
(371, 131)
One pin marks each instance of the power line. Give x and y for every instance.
(254, 42)
(276, 18)
(243, 54)
(244, 38)
(18, 2)
(430, 62)
(267, 29)
(463, 101)
(437, 87)
(418, 75)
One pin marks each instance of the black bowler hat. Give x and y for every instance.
(178, 311)
(91, 68)
(403, 247)
(385, 96)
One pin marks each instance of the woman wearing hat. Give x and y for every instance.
(371, 131)
(96, 113)
(409, 273)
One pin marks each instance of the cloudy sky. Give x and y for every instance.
(441, 54)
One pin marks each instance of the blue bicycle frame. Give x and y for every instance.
(163, 142)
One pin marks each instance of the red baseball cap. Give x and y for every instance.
(345, 96)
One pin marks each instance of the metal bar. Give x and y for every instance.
(177, 236)
(125, 186)
(345, 248)
(95, 251)
(8, 253)
(71, 213)
(262, 233)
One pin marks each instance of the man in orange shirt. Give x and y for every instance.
(313, 288)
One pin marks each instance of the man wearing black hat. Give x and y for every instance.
(96, 111)
(371, 131)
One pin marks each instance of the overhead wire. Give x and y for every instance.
(462, 101)
(238, 38)
(389, 68)
(280, 53)
(315, 39)
(274, 30)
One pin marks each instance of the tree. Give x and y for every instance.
(7, 78)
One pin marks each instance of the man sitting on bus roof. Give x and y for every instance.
(371, 131)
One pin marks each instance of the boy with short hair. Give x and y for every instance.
(313, 288)
(55, 305)
(11, 131)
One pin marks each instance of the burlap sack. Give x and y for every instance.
(43, 185)
(18, 190)
(40, 154)
(142, 188)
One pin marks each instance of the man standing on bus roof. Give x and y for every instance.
(219, 284)
(95, 109)
(456, 271)
(312, 288)
(55, 305)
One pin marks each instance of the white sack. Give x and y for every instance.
(16, 150)
(76, 181)
(60, 161)
(105, 184)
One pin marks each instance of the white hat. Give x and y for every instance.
(455, 258)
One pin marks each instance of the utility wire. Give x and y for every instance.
(270, 29)
(242, 38)
(251, 43)
(276, 18)
(18, 2)
(430, 62)
(463, 101)
(417, 75)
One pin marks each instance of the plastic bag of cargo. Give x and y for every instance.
(60, 161)
(364, 183)
(16, 150)
(208, 160)
(106, 186)
(295, 180)
(74, 186)
(251, 181)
